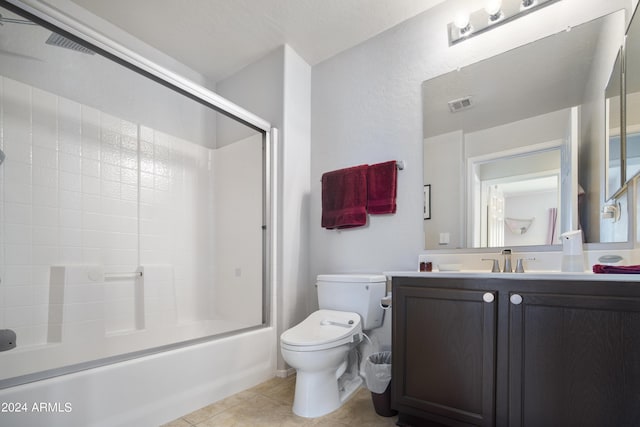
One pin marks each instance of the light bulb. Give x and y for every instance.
(461, 21)
(493, 7)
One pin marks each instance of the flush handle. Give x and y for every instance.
(488, 297)
(516, 299)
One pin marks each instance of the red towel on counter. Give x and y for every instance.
(344, 197)
(616, 269)
(382, 182)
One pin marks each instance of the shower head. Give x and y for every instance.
(56, 39)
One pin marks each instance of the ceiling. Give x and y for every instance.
(219, 37)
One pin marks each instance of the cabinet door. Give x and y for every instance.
(444, 354)
(574, 360)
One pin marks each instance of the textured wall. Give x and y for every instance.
(366, 107)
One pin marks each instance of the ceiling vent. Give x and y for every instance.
(460, 104)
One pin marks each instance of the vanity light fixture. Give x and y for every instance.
(494, 14)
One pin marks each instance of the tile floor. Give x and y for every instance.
(269, 404)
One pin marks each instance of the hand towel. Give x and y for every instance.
(344, 198)
(382, 188)
(616, 269)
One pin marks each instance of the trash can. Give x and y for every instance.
(377, 370)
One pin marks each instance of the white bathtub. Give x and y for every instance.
(147, 391)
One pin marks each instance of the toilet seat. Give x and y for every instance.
(323, 329)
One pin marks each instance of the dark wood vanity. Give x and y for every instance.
(501, 351)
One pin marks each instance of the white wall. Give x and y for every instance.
(277, 88)
(366, 107)
(444, 154)
(238, 172)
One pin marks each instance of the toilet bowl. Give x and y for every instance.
(318, 348)
(323, 347)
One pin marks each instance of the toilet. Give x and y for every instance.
(322, 348)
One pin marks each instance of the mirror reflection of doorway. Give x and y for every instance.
(516, 199)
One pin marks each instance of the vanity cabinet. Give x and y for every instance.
(508, 352)
(574, 360)
(445, 339)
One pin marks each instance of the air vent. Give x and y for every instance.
(460, 104)
(61, 41)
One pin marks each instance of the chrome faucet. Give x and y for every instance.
(507, 261)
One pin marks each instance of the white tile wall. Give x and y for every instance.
(70, 196)
(82, 190)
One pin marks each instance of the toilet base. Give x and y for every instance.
(319, 393)
(348, 387)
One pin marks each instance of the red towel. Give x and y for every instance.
(616, 269)
(382, 182)
(344, 197)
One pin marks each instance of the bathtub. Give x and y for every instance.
(145, 391)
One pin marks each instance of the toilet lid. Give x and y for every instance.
(325, 328)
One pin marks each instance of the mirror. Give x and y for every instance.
(510, 196)
(632, 101)
(613, 123)
(501, 113)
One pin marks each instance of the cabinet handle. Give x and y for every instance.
(515, 299)
(488, 297)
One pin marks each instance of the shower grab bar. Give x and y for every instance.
(114, 275)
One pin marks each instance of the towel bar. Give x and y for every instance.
(400, 164)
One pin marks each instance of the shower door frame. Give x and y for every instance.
(59, 22)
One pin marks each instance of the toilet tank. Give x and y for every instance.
(359, 293)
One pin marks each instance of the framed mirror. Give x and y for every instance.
(548, 93)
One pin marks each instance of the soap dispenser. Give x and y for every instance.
(572, 255)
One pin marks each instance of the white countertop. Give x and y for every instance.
(531, 275)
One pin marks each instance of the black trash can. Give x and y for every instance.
(377, 371)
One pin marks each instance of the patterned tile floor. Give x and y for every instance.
(269, 404)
